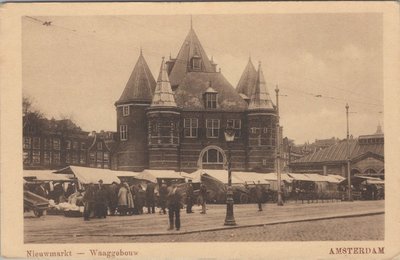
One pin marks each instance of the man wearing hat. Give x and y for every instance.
(174, 202)
(163, 197)
(100, 201)
(189, 197)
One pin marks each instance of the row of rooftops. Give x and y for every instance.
(183, 81)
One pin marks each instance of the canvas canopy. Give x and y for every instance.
(195, 177)
(274, 177)
(126, 174)
(153, 175)
(44, 175)
(86, 175)
(251, 177)
(220, 175)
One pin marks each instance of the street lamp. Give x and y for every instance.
(229, 219)
(349, 195)
(278, 150)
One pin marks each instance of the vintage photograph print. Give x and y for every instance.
(201, 128)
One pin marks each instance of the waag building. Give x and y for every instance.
(177, 122)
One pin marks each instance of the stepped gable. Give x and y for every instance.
(141, 84)
(163, 95)
(248, 80)
(260, 98)
(191, 48)
(189, 94)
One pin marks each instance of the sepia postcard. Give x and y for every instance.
(257, 130)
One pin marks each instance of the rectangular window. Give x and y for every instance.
(27, 157)
(47, 143)
(211, 100)
(92, 159)
(74, 158)
(264, 162)
(27, 143)
(191, 126)
(83, 158)
(125, 110)
(68, 145)
(106, 157)
(235, 124)
(123, 132)
(99, 146)
(56, 144)
(56, 158)
(67, 158)
(83, 146)
(36, 142)
(212, 126)
(75, 145)
(36, 157)
(47, 157)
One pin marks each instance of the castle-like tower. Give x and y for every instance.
(179, 122)
(132, 153)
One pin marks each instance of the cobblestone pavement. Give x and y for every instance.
(354, 228)
(60, 229)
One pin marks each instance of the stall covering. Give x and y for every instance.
(251, 177)
(86, 175)
(126, 174)
(153, 175)
(274, 177)
(195, 177)
(358, 179)
(44, 175)
(220, 175)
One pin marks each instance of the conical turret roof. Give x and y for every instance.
(191, 48)
(141, 84)
(260, 99)
(163, 95)
(248, 80)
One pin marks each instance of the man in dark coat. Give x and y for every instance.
(101, 201)
(203, 198)
(174, 202)
(150, 200)
(88, 199)
(189, 197)
(113, 198)
(163, 197)
(141, 196)
(259, 195)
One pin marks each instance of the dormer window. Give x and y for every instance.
(196, 63)
(210, 98)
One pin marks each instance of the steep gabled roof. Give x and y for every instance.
(260, 98)
(190, 93)
(141, 84)
(191, 47)
(248, 80)
(338, 152)
(163, 95)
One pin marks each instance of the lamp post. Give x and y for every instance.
(229, 219)
(349, 191)
(278, 152)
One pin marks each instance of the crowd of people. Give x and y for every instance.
(100, 201)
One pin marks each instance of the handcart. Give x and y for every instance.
(34, 202)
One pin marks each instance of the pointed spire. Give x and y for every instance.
(379, 129)
(163, 95)
(141, 84)
(247, 81)
(260, 99)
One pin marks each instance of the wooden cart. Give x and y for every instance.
(34, 202)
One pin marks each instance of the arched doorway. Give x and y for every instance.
(212, 157)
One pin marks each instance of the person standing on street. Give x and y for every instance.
(123, 200)
(150, 200)
(100, 201)
(88, 199)
(189, 197)
(203, 198)
(113, 198)
(163, 197)
(174, 201)
(259, 195)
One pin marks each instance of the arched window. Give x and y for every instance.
(355, 172)
(213, 156)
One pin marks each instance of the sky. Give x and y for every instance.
(78, 66)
